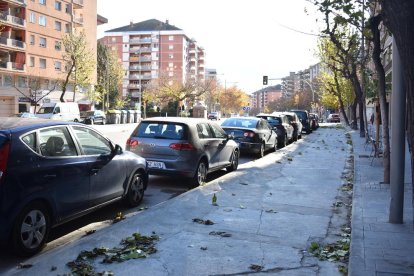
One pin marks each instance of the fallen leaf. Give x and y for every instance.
(256, 267)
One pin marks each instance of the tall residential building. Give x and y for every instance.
(31, 49)
(151, 50)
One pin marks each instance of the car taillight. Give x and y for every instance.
(182, 146)
(132, 142)
(248, 134)
(4, 155)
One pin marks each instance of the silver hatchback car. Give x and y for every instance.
(188, 147)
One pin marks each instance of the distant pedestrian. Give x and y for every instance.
(372, 119)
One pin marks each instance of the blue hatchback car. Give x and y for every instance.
(52, 172)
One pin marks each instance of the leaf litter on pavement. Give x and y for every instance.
(134, 247)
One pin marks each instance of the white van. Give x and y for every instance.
(59, 111)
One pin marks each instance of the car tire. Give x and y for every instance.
(234, 161)
(31, 229)
(200, 175)
(295, 136)
(136, 190)
(261, 152)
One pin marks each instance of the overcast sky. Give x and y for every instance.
(243, 40)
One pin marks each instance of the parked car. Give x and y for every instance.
(24, 115)
(254, 135)
(188, 147)
(296, 124)
(93, 117)
(280, 124)
(214, 116)
(333, 118)
(304, 119)
(314, 121)
(53, 171)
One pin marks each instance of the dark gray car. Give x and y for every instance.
(188, 147)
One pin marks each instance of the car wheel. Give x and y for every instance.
(76, 120)
(234, 161)
(104, 121)
(136, 190)
(201, 174)
(31, 229)
(261, 150)
(295, 136)
(275, 146)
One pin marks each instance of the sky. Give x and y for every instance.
(243, 40)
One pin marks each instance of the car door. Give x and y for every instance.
(225, 150)
(62, 170)
(107, 171)
(209, 144)
(268, 135)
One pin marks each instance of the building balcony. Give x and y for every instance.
(78, 20)
(141, 40)
(135, 94)
(20, 3)
(12, 20)
(140, 59)
(140, 68)
(140, 50)
(133, 86)
(12, 43)
(139, 77)
(12, 66)
(77, 4)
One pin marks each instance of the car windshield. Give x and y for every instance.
(273, 121)
(240, 122)
(45, 110)
(161, 130)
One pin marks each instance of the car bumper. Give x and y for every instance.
(249, 147)
(183, 168)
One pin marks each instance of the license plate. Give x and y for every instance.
(157, 165)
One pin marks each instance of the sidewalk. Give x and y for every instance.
(378, 247)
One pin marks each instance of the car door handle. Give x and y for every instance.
(49, 176)
(94, 171)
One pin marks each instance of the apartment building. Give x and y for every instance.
(262, 97)
(152, 49)
(31, 49)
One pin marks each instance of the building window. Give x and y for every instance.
(32, 39)
(42, 20)
(171, 65)
(42, 63)
(171, 37)
(22, 82)
(58, 65)
(113, 39)
(32, 62)
(58, 5)
(42, 42)
(170, 74)
(32, 18)
(8, 80)
(67, 8)
(58, 26)
(171, 47)
(42, 2)
(58, 45)
(67, 28)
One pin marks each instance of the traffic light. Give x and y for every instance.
(265, 79)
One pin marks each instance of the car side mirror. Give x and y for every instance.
(117, 150)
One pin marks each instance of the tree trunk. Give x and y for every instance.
(352, 115)
(398, 17)
(342, 109)
(376, 57)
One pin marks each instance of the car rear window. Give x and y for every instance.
(273, 121)
(161, 130)
(239, 122)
